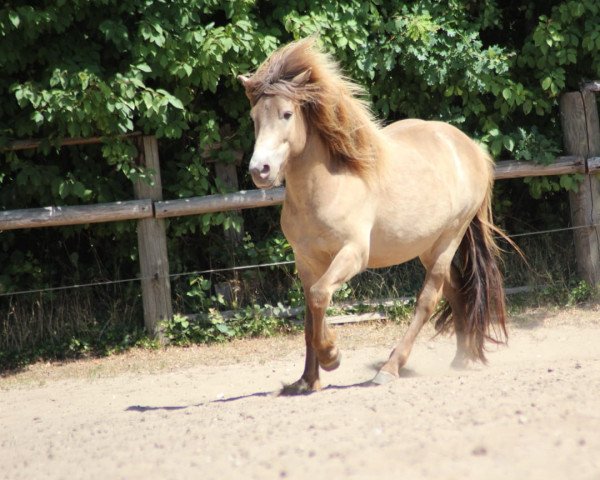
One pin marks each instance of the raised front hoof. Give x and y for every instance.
(383, 378)
(331, 364)
(300, 387)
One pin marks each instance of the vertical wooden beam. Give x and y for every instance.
(227, 174)
(152, 246)
(581, 133)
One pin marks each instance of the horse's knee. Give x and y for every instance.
(318, 298)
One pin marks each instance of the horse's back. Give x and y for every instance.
(435, 180)
(441, 147)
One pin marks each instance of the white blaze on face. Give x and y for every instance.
(280, 134)
(267, 162)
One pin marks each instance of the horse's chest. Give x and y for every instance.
(317, 229)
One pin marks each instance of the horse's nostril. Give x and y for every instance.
(262, 172)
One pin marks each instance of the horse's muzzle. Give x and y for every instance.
(261, 176)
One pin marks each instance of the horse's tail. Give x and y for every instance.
(480, 285)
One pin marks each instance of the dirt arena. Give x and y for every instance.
(210, 412)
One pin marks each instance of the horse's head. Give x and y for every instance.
(279, 129)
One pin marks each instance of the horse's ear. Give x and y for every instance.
(302, 78)
(243, 79)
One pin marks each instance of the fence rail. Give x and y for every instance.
(219, 203)
(75, 215)
(580, 123)
(63, 142)
(55, 216)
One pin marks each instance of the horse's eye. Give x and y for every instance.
(287, 115)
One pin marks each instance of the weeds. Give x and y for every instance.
(252, 321)
(62, 325)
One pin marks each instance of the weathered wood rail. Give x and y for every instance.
(76, 214)
(581, 129)
(146, 208)
(65, 142)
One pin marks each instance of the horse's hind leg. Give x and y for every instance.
(438, 268)
(456, 301)
(426, 302)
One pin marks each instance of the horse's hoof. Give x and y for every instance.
(335, 363)
(383, 377)
(464, 363)
(300, 387)
(460, 364)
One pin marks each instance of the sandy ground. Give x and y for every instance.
(210, 412)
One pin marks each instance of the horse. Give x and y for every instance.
(360, 195)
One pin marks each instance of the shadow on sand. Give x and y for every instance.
(404, 373)
(170, 408)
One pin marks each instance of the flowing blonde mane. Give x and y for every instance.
(331, 102)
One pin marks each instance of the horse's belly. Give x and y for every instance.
(401, 235)
(393, 250)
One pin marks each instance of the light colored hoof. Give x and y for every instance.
(460, 364)
(383, 377)
(463, 363)
(335, 363)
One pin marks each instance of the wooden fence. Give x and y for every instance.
(579, 117)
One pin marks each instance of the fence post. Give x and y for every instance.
(152, 246)
(227, 174)
(581, 133)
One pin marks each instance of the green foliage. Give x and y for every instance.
(274, 249)
(399, 311)
(213, 327)
(295, 295)
(559, 294)
(343, 293)
(199, 293)
(168, 68)
(581, 293)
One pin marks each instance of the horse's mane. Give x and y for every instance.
(331, 102)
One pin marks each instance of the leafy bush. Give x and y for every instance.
(252, 321)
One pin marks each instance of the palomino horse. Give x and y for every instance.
(361, 196)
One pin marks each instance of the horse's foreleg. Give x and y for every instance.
(349, 261)
(309, 381)
(319, 282)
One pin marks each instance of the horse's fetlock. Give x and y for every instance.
(329, 358)
(323, 345)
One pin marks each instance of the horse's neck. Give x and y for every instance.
(310, 172)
